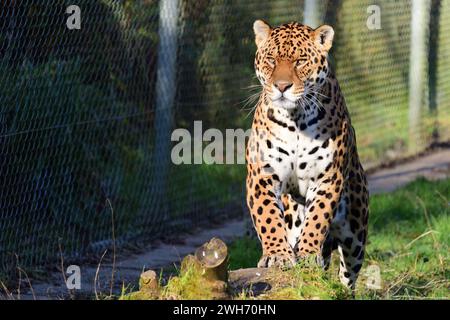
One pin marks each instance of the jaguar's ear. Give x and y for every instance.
(323, 36)
(262, 31)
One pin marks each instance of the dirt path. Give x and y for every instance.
(432, 166)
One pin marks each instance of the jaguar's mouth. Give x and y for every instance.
(283, 102)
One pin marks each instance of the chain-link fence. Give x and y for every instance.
(86, 114)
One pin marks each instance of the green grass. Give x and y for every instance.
(408, 243)
(244, 253)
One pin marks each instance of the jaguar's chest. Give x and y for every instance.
(313, 156)
(298, 156)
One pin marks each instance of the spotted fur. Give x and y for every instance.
(306, 188)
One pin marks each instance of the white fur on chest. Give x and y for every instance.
(312, 158)
(303, 158)
(311, 163)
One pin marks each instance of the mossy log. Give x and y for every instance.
(254, 281)
(205, 269)
(213, 259)
(149, 281)
(149, 288)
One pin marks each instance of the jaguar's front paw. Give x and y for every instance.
(280, 260)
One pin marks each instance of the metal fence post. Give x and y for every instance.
(418, 61)
(434, 28)
(165, 93)
(312, 15)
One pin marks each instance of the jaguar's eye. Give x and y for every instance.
(271, 61)
(300, 63)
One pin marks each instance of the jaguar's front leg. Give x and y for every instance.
(266, 209)
(322, 199)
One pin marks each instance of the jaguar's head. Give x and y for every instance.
(291, 60)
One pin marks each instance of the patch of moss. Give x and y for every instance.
(138, 295)
(189, 285)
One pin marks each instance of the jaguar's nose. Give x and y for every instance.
(283, 85)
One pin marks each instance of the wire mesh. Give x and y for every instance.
(80, 127)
